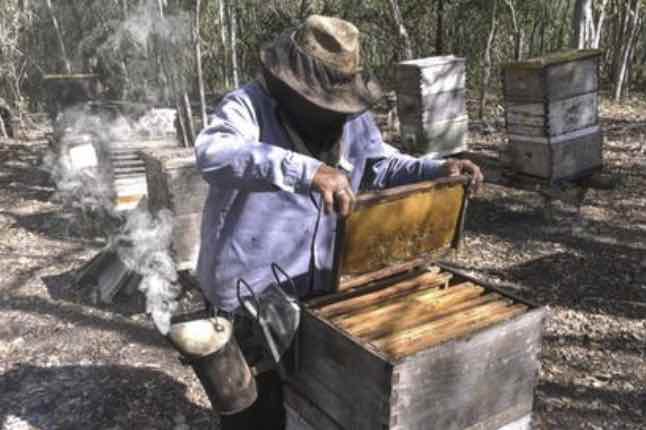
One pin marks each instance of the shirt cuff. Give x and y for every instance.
(298, 172)
(432, 168)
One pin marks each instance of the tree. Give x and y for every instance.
(584, 33)
(401, 30)
(486, 66)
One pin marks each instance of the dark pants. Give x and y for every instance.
(267, 413)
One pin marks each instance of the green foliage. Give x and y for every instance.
(141, 56)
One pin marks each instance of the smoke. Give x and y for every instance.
(151, 53)
(143, 246)
(148, 52)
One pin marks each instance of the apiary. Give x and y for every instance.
(405, 342)
(431, 105)
(552, 115)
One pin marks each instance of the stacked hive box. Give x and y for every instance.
(174, 183)
(405, 343)
(431, 105)
(551, 106)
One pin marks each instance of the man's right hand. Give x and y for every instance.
(335, 189)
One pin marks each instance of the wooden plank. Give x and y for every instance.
(186, 240)
(406, 342)
(460, 328)
(564, 159)
(398, 289)
(570, 79)
(436, 139)
(576, 113)
(434, 74)
(442, 106)
(356, 281)
(523, 84)
(396, 326)
(487, 377)
(308, 411)
(330, 363)
(406, 309)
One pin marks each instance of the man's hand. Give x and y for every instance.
(335, 189)
(465, 167)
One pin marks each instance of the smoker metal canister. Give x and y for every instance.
(209, 347)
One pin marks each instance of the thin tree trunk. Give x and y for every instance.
(233, 25)
(519, 36)
(223, 42)
(626, 49)
(599, 26)
(188, 112)
(59, 38)
(486, 66)
(198, 62)
(401, 29)
(439, 34)
(3, 129)
(583, 23)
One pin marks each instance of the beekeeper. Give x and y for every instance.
(284, 157)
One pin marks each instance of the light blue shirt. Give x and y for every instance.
(261, 208)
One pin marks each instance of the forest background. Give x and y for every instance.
(155, 50)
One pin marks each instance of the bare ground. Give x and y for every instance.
(66, 363)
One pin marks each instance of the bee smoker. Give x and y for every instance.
(209, 347)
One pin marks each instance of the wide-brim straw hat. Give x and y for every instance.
(321, 61)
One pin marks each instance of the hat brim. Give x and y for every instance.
(348, 94)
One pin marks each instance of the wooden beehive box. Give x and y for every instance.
(431, 105)
(552, 115)
(175, 183)
(405, 343)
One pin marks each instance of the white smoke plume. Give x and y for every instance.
(143, 245)
(158, 52)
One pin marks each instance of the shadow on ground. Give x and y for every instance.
(97, 397)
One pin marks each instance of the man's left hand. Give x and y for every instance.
(456, 167)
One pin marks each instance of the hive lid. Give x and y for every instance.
(399, 225)
(431, 61)
(554, 58)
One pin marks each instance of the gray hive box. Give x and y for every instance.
(431, 105)
(552, 115)
(174, 183)
(404, 343)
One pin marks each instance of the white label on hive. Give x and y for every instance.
(83, 156)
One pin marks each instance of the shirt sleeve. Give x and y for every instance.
(392, 168)
(230, 149)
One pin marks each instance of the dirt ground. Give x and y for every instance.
(66, 363)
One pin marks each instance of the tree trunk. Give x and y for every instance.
(599, 26)
(198, 62)
(3, 129)
(583, 35)
(59, 38)
(486, 66)
(401, 29)
(439, 34)
(223, 42)
(233, 33)
(634, 23)
(519, 34)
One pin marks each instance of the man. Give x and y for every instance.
(284, 157)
